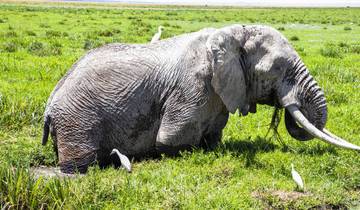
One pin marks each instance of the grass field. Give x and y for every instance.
(39, 43)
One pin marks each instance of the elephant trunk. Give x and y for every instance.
(312, 103)
(310, 111)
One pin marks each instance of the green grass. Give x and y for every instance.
(39, 43)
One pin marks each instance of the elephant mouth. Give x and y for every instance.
(294, 116)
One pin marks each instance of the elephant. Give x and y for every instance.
(177, 93)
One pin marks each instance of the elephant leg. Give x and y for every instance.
(77, 149)
(211, 140)
(175, 135)
(72, 159)
(212, 135)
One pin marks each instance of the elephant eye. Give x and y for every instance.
(278, 67)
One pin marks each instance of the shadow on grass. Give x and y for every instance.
(253, 146)
(248, 148)
(317, 150)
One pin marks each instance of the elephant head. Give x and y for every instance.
(256, 64)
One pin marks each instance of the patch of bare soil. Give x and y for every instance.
(284, 199)
(329, 206)
(279, 199)
(49, 172)
(281, 195)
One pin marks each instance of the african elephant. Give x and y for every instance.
(176, 93)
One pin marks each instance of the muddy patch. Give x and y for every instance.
(50, 172)
(278, 199)
(328, 206)
(281, 195)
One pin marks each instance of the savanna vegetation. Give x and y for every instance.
(250, 169)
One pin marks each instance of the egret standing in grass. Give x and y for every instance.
(125, 162)
(297, 178)
(157, 36)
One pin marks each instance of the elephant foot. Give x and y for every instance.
(210, 141)
(172, 150)
(78, 165)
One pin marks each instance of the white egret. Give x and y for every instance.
(297, 178)
(157, 36)
(125, 162)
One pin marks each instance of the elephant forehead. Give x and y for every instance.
(267, 39)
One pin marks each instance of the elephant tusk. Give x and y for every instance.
(125, 162)
(333, 135)
(301, 119)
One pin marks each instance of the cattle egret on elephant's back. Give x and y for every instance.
(297, 178)
(125, 162)
(157, 36)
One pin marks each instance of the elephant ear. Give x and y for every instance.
(228, 65)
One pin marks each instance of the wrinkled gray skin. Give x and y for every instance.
(146, 99)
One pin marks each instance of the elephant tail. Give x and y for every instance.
(46, 130)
